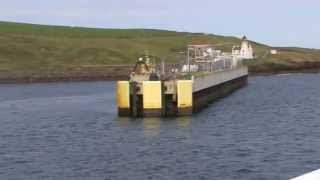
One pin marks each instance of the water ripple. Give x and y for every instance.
(267, 130)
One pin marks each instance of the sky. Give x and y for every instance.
(273, 22)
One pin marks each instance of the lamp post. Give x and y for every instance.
(188, 59)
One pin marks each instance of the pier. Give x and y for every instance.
(206, 76)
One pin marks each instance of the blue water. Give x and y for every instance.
(267, 130)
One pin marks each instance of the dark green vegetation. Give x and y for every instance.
(287, 60)
(38, 51)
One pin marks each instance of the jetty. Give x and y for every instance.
(154, 91)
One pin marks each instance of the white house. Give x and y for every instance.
(245, 51)
(273, 51)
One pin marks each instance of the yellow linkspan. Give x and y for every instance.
(184, 92)
(152, 95)
(123, 94)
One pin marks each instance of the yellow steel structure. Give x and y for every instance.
(184, 93)
(152, 98)
(123, 94)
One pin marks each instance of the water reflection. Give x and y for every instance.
(124, 121)
(183, 122)
(152, 125)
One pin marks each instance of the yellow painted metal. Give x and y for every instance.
(184, 93)
(123, 94)
(152, 98)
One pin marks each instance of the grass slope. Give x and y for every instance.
(28, 50)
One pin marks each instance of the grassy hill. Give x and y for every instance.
(39, 51)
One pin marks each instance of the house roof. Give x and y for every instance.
(244, 38)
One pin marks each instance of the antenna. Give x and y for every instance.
(163, 66)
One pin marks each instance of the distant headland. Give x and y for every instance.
(41, 53)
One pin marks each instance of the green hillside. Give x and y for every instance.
(55, 51)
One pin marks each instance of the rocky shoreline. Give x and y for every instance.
(122, 74)
(270, 69)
